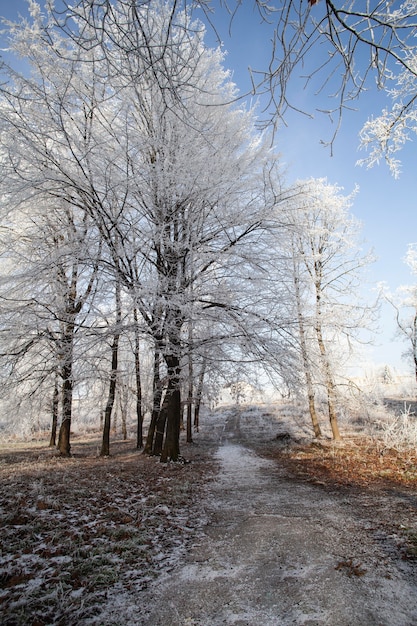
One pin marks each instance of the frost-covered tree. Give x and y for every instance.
(49, 276)
(126, 118)
(326, 264)
(386, 134)
(404, 302)
(337, 49)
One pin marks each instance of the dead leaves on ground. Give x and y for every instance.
(351, 568)
(74, 528)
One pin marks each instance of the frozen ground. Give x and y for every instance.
(280, 552)
(231, 539)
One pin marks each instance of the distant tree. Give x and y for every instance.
(386, 375)
(138, 381)
(404, 303)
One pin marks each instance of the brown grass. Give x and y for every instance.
(359, 461)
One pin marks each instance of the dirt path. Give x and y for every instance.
(277, 551)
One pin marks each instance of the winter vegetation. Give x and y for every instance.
(152, 253)
(155, 263)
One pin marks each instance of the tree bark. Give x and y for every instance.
(160, 425)
(105, 446)
(330, 386)
(157, 397)
(64, 443)
(304, 349)
(199, 394)
(124, 399)
(55, 408)
(139, 415)
(190, 399)
(171, 449)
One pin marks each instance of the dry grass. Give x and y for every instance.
(359, 461)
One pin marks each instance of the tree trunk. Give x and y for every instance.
(123, 413)
(160, 427)
(171, 449)
(64, 443)
(330, 386)
(199, 395)
(157, 397)
(304, 354)
(55, 408)
(189, 420)
(139, 415)
(303, 344)
(105, 446)
(190, 399)
(328, 376)
(312, 408)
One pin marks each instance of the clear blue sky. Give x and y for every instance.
(387, 207)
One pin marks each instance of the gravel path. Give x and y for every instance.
(277, 552)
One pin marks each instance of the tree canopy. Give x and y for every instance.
(146, 203)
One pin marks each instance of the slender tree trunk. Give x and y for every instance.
(309, 385)
(139, 415)
(330, 385)
(55, 408)
(189, 420)
(190, 399)
(124, 400)
(73, 307)
(105, 446)
(64, 437)
(157, 397)
(304, 349)
(199, 395)
(197, 414)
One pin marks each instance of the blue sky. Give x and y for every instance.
(386, 207)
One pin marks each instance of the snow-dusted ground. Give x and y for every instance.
(252, 546)
(278, 552)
